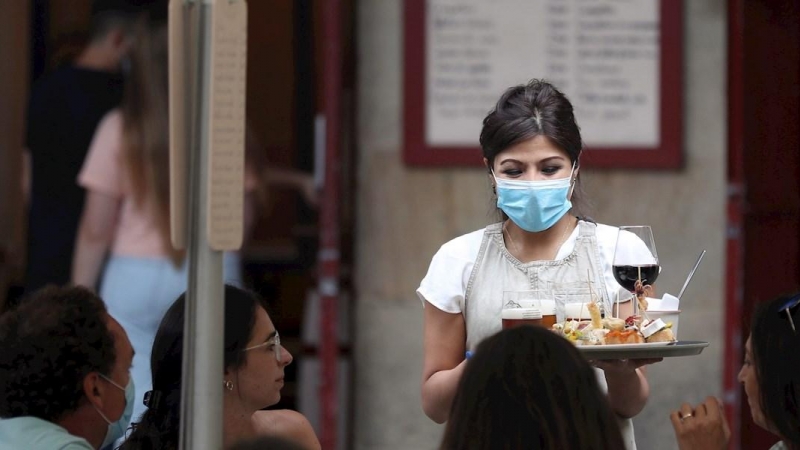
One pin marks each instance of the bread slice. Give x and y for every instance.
(662, 335)
(629, 336)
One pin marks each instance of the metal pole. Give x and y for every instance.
(203, 346)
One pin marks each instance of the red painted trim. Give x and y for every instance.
(734, 267)
(668, 155)
(329, 222)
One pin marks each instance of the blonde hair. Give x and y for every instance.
(145, 129)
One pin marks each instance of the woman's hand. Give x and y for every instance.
(702, 427)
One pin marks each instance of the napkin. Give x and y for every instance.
(666, 303)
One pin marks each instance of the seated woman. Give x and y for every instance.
(526, 387)
(253, 378)
(771, 382)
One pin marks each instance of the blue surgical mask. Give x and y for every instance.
(117, 429)
(534, 205)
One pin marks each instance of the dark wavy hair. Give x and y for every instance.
(159, 426)
(776, 355)
(267, 443)
(529, 110)
(48, 345)
(527, 387)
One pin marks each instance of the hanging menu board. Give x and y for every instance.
(618, 61)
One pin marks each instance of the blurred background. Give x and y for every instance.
(735, 193)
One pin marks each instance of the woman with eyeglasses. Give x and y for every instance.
(771, 381)
(252, 379)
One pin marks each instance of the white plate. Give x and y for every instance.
(651, 350)
(629, 346)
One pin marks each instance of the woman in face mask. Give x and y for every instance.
(531, 146)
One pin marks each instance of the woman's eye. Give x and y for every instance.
(549, 170)
(512, 172)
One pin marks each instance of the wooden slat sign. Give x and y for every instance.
(227, 127)
(619, 62)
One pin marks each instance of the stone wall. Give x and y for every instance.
(405, 214)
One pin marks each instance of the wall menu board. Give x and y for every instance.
(618, 61)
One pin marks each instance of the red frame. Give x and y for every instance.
(668, 155)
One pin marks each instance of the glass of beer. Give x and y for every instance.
(525, 308)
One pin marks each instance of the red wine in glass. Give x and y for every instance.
(627, 276)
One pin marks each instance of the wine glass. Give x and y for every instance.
(635, 258)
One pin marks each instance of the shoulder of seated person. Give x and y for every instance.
(288, 424)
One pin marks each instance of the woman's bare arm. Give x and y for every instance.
(445, 341)
(95, 233)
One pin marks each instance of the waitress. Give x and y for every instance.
(531, 147)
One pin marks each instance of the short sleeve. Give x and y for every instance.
(445, 284)
(103, 170)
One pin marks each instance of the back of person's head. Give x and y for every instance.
(109, 15)
(528, 388)
(48, 345)
(267, 443)
(776, 353)
(159, 425)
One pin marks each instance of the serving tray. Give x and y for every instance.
(634, 351)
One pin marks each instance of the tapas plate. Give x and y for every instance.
(635, 351)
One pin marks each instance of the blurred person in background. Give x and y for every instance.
(770, 376)
(65, 379)
(123, 241)
(528, 388)
(253, 377)
(63, 112)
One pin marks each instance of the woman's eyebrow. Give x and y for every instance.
(271, 335)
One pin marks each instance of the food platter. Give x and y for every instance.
(634, 351)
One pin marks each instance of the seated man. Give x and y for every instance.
(64, 373)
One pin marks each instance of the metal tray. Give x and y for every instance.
(633, 351)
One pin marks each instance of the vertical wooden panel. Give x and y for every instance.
(69, 27)
(270, 110)
(770, 136)
(14, 42)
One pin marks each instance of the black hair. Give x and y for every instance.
(527, 387)
(49, 343)
(266, 443)
(529, 110)
(776, 355)
(158, 427)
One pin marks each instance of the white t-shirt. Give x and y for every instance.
(446, 281)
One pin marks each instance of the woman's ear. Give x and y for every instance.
(486, 164)
(573, 182)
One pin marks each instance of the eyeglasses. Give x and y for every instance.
(789, 308)
(274, 341)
